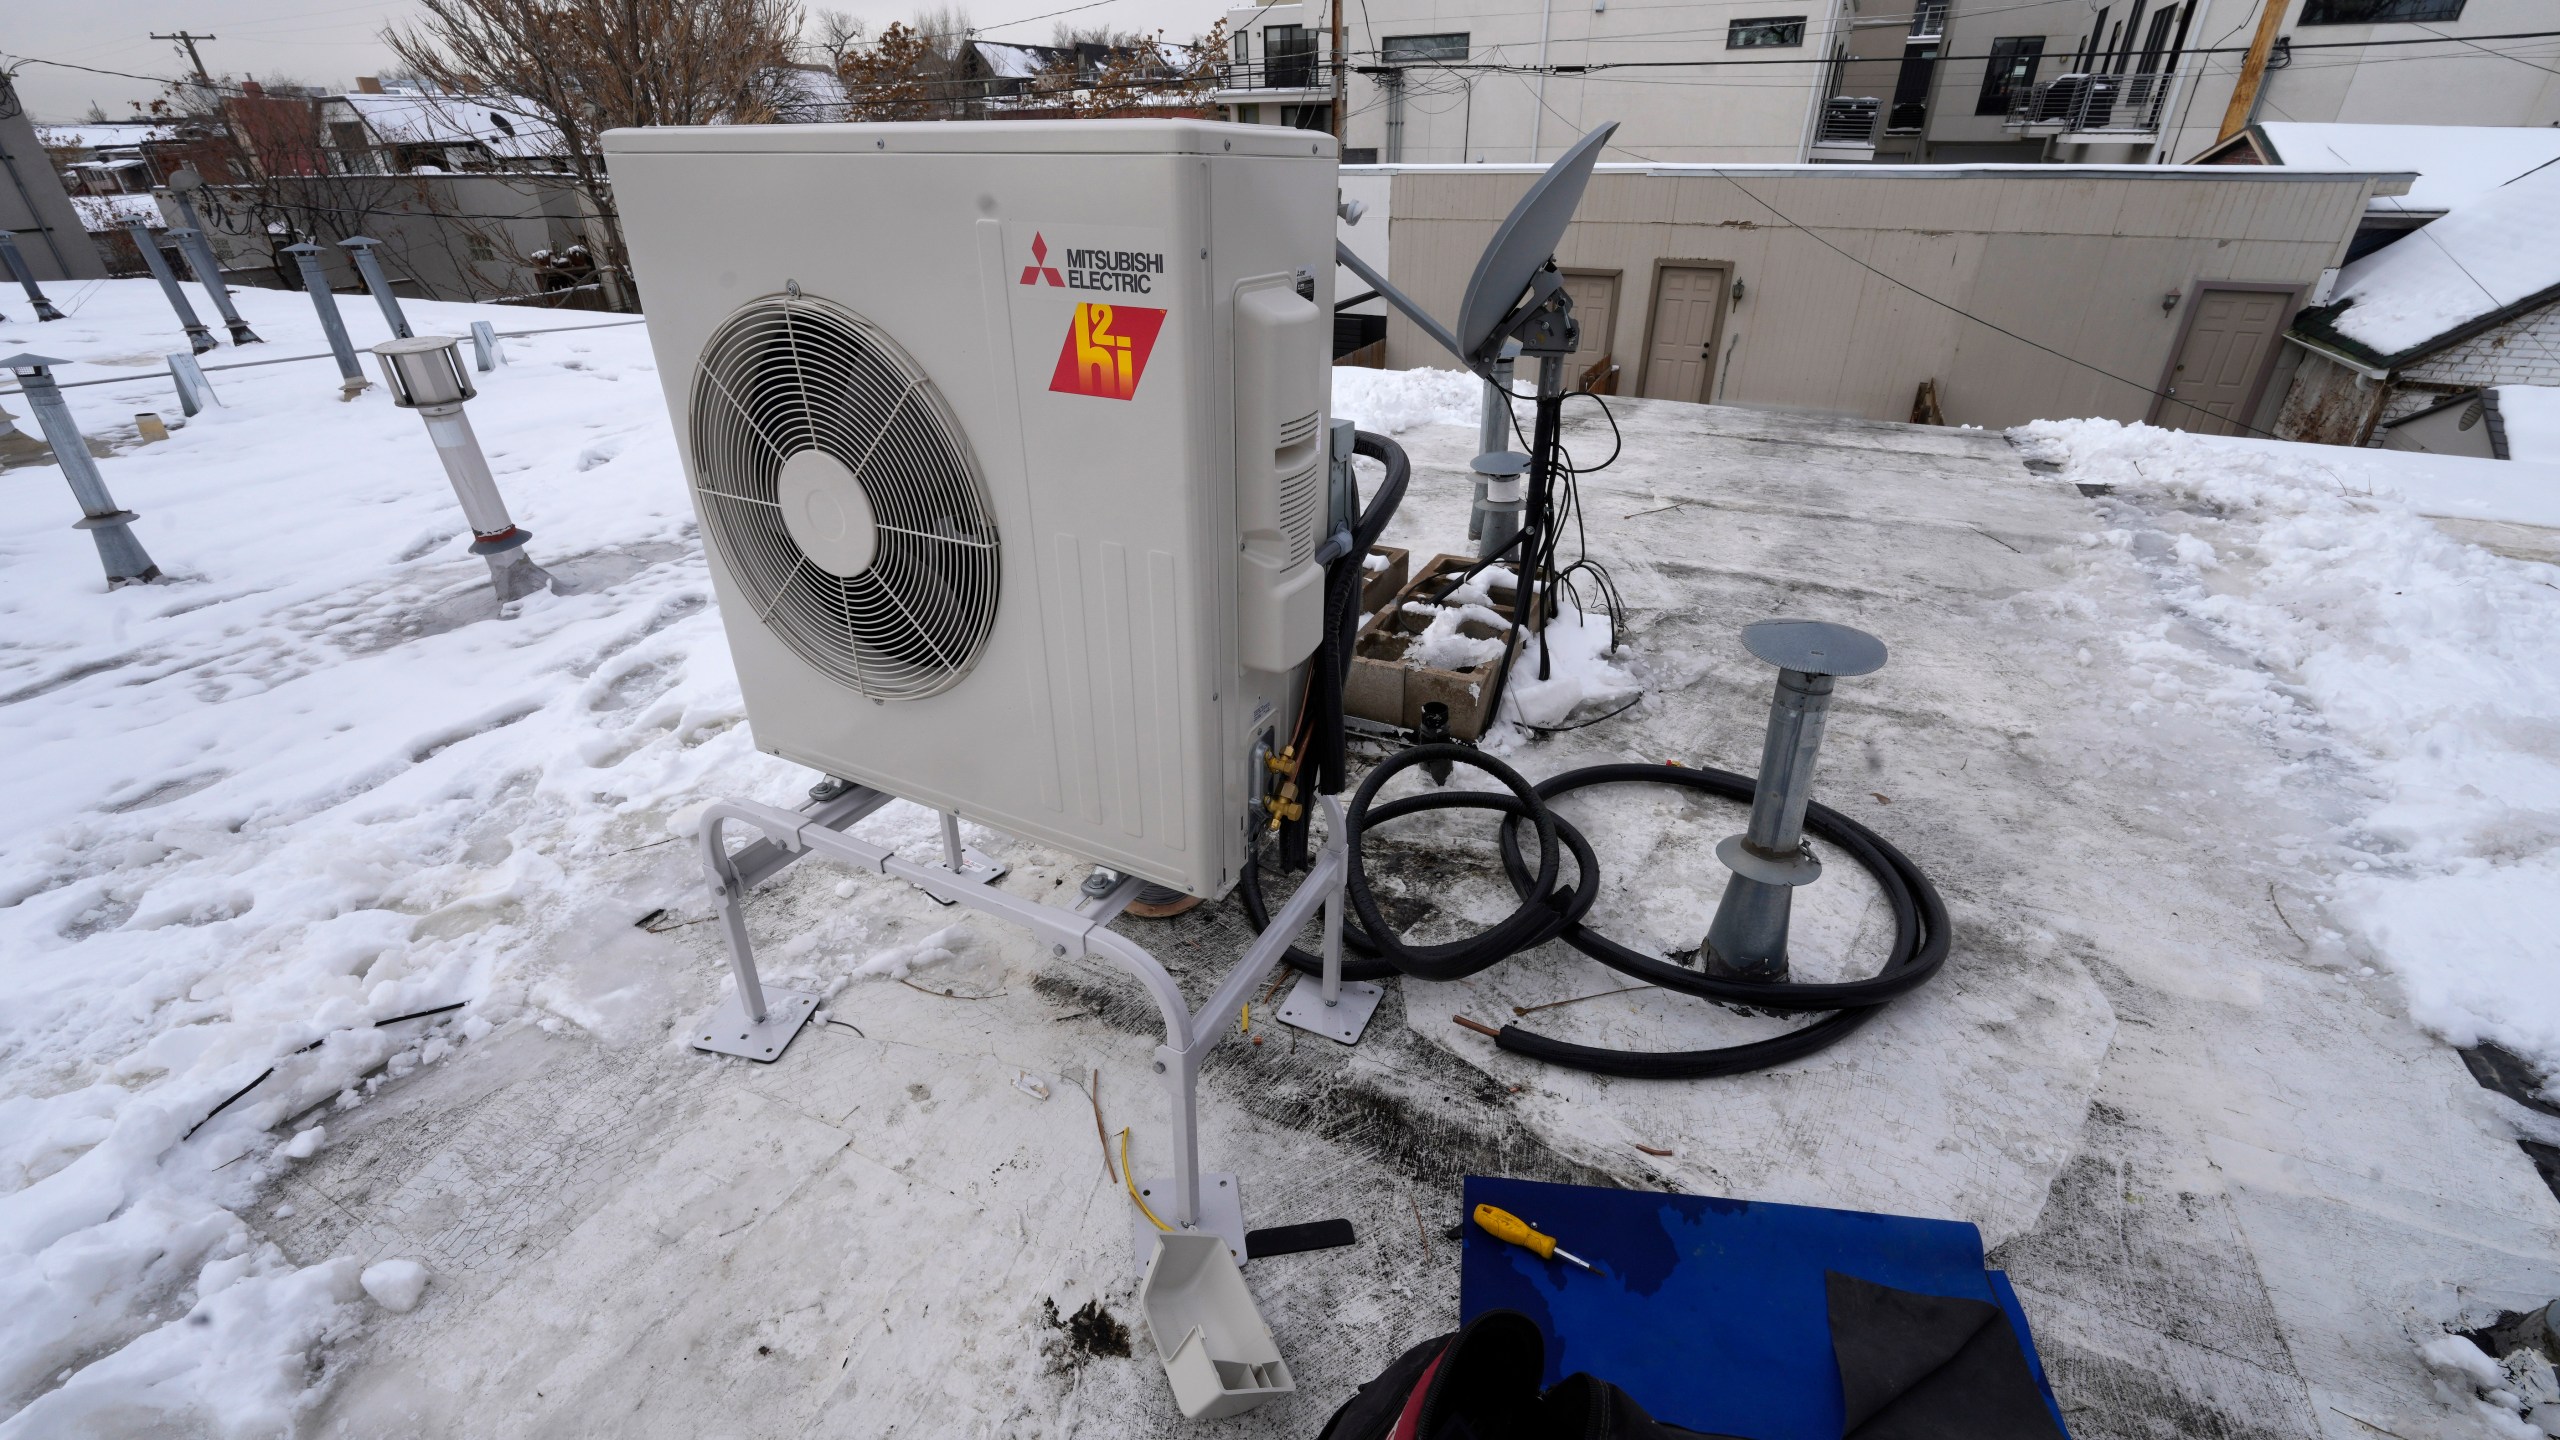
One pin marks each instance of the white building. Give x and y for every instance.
(1785, 81)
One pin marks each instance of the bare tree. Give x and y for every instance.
(1134, 74)
(837, 35)
(588, 66)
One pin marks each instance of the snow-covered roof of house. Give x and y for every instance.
(2483, 259)
(507, 125)
(1016, 62)
(111, 136)
(2455, 163)
(105, 214)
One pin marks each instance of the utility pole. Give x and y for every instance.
(1341, 96)
(189, 41)
(2253, 71)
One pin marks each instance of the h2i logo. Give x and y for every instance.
(1106, 349)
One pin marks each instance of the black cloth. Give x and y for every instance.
(1929, 1367)
(1481, 1383)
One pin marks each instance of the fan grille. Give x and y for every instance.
(791, 374)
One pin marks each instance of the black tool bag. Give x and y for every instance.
(1481, 1383)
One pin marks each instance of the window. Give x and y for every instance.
(1423, 49)
(2013, 70)
(1288, 57)
(1773, 32)
(481, 249)
(2378, 12)
(2156, 42)
(1359, 154)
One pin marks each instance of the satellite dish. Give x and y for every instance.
(1520, 248)
(186, 179)
(1524, 244)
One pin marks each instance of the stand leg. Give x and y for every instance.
(1329, 1005)
(962, 861)
(752, 1022)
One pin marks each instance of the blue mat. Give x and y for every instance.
(1711, 1313)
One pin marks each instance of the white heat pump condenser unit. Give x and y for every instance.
(1009, 442)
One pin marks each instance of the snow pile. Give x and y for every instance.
(237, 1358)
(900, 961)
(1443, 646)
(2360, 635)
(395, 1285)
(1390, 402)
(1586, 677)
(2482, 257)
(2514, 1398)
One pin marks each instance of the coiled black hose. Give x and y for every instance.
(1550, 910)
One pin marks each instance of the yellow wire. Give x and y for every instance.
(1244, 1021)
(1129, 1177)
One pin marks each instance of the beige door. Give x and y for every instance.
(2223, 361)
(1595, 304)
(1680, 344)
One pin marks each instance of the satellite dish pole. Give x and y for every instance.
(1517, 293)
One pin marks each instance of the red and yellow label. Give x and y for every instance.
(1106, 350)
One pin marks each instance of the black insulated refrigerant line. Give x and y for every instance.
(1551, 909)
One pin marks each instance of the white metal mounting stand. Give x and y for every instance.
(1327, 1004)
(758, 1022)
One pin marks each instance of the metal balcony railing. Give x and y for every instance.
(1849, 120)
(1283, 72)
(2091, 104)
(1929, 19)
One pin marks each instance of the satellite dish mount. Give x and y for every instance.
(1517, 293)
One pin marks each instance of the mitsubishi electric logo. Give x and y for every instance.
(1040, 269)
(1120, 272)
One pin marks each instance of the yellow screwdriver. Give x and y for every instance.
(1503, 1225)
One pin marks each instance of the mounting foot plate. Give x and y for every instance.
(1221, 1214)
(1342, 1021)
(728, 1031)
(975, 869)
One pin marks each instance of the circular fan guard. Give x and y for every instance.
(793, 373)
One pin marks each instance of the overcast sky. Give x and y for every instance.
(317, 42)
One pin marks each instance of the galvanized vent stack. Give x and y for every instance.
(425, 374)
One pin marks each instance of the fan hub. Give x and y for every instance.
(827, 513)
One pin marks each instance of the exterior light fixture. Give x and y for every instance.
(1737, 292)
(425, 374)
(2170, 301)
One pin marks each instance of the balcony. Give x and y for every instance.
(1848, 128)
(1293, 78)
(2093, 109)
(1929, 20)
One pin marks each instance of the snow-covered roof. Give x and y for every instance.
(113, 136)
(2483, 257)
(2532, 415)
(2455, 163)
(103, 214)
(1016, 62)
(507, 125)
